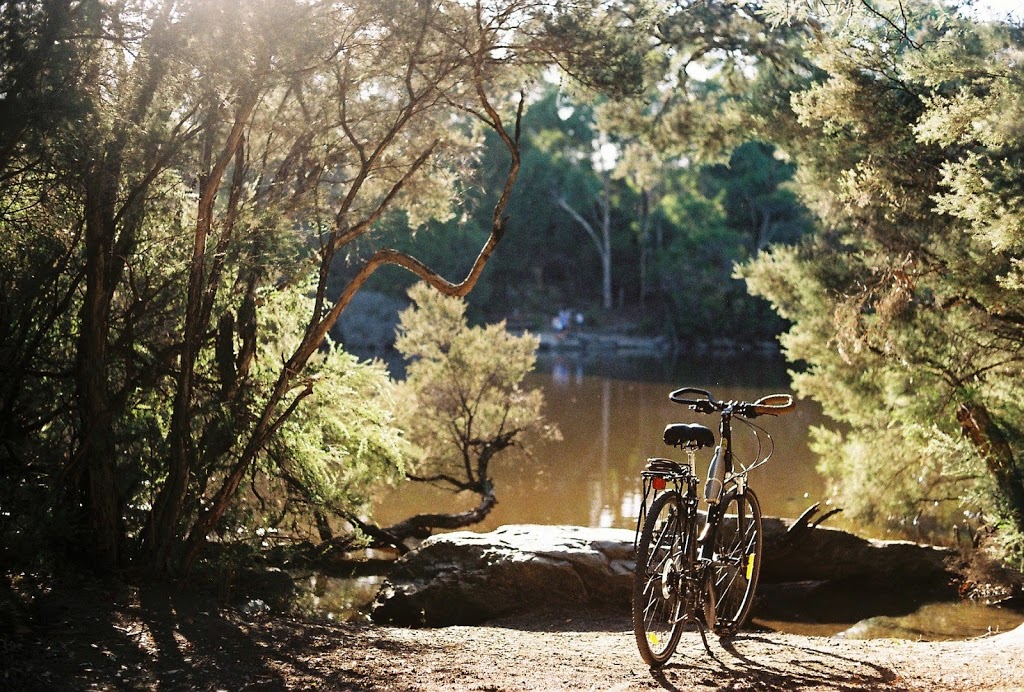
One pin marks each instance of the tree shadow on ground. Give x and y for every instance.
(169, 637)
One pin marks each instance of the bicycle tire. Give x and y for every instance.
(736, 561)
(658, 589)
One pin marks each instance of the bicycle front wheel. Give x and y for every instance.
(659, 588)
(736, 562)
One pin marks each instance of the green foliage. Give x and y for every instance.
(171, 175)
(608, 43)
(676, 229)
(463, 396)
(343, 443)
(906, 313)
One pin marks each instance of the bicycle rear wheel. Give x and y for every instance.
(736, 563)
(658, 584)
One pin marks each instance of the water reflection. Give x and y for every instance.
(938, 621)
(333, 597)
(612, 413)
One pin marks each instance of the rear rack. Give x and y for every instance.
(657, 476)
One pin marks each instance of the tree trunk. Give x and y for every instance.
(95, 455)
(423, 525)
(645, 245)
(995, 449)
(164, 530)
(601, 237)
(110, 234)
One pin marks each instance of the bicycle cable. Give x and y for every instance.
(758, 461)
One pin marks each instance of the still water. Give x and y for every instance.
(611, 414)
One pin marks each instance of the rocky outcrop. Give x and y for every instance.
(795, 551)
(466, 578)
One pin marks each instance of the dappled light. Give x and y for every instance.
(270, 268)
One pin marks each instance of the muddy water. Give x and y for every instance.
(612, 413)
(611, 416)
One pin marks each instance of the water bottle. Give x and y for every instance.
(716, 478)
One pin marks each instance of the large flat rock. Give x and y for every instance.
(466, 577)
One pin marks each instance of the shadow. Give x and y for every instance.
(659, 677)
(758, 662)
(60, 635)
(161, 618)
(827, 602)
(81, 634)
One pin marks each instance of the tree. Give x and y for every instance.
(712, 72)
(462, 408)
(193, 159)
(907, 305)
(756, 199)
(384, 144)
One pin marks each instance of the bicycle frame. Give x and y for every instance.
(684, 484)
(709, 579)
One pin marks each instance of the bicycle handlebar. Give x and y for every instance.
(677, 396)
(772, 404)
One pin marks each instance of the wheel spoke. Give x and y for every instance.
(737, 552)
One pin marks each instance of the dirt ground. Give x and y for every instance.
(163, 639)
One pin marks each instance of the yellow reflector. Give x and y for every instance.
(750, 566)
(652, 638)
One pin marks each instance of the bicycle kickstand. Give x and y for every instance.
(701, 627)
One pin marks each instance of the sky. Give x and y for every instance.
(1000, 8)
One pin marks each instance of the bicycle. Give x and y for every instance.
(683, 579)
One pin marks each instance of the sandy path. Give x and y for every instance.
(598, 652)
(159, 640)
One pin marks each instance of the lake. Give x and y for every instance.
(612, 413)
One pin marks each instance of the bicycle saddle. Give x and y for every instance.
(689, 435)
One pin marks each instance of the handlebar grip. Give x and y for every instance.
(774, 404)
(677, 396)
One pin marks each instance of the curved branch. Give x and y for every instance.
(422, 525)
(442, 477)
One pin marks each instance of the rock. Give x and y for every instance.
(465, 577)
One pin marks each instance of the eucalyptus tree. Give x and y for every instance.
(907, 305)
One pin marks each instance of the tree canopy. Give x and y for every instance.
(192, 192)
(907, 305)
(173, 176)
